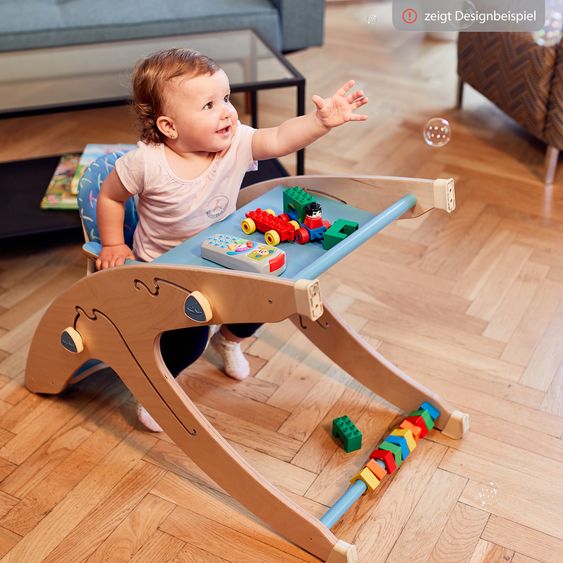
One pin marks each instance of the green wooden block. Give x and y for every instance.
(344, 429)
(394, 449)
(428, 420)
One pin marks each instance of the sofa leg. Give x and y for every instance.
(551, 157)
(459, 93)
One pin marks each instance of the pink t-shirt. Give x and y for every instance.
(172, 209)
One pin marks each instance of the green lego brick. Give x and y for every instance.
(394, 449)
(347, 431)
(338, 231)
(426, 417)
(296, 199)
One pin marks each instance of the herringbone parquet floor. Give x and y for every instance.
(470, 305)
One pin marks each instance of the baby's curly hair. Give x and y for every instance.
(150, 77)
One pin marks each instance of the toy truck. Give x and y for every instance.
(275, 229)
(301, 222)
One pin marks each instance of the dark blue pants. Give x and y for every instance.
(181, 348)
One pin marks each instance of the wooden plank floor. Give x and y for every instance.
(471, 305)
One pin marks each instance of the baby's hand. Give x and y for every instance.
(338, 109)
(112, 256)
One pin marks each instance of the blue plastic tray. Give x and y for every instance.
(300, 257)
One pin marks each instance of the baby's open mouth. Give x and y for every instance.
(224, 130)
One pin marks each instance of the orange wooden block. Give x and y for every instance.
(376, 469)
(410, 426)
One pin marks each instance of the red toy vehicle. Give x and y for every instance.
(275, 229)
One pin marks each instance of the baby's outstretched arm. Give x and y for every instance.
(299, 132)
(110, 214)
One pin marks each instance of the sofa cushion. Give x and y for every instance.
(45, 23)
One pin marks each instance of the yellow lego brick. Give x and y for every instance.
(405, 433)
(368, 478)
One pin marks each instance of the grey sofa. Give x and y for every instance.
(287, 24)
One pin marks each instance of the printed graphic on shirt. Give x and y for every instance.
(217, 206)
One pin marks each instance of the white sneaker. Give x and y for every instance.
(235, 364)
(147, 420)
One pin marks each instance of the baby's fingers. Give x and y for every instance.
(352, 97)
(318, 101)
(359, 102)
(342, 91)
(358, 117)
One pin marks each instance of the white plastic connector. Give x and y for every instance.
(343, 552)
(444, 194)
(457, 425)
(308, 298)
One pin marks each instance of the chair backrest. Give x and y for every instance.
(88, 190)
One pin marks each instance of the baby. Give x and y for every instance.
(187, 172)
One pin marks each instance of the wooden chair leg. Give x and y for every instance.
(551, 157)
(459, 101)
(347, 349)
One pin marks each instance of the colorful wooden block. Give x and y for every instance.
(401, 442)
(346, 430)
(407, 435)
(376, 469)
(368, 478)
(418, 421)
(395, 449)
(412, 427)
(386, 457)
(428, 420)
(432, 410)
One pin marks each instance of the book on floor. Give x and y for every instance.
(58, 194)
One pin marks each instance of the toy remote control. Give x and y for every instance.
(243, 254)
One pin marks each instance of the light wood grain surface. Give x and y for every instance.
(470, 305)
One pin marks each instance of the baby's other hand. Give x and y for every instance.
(339, 109)
(112, 256)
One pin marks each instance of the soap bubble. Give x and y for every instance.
(468, 7)
(487, 494)
(552, 30)
(372, 19)
(437, 132)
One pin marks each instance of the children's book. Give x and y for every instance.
(58, 194)
(92, 152)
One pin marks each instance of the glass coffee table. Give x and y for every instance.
(56, 79)
(94, 75)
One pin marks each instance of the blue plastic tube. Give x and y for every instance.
(339, 508)
(354, 492)
(374, 225)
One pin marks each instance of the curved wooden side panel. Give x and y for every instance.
(147, 300)
(119, 315)
(346, 348)
(141, 368)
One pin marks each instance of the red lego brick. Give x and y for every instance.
(265, 222)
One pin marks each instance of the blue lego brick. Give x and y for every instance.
(400, 441)
(432, 410)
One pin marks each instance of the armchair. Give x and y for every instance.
(523, 79)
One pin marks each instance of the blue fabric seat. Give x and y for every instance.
(88, 191)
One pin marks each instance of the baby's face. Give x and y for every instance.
(202, 112)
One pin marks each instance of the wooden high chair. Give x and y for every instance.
(117, 316)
